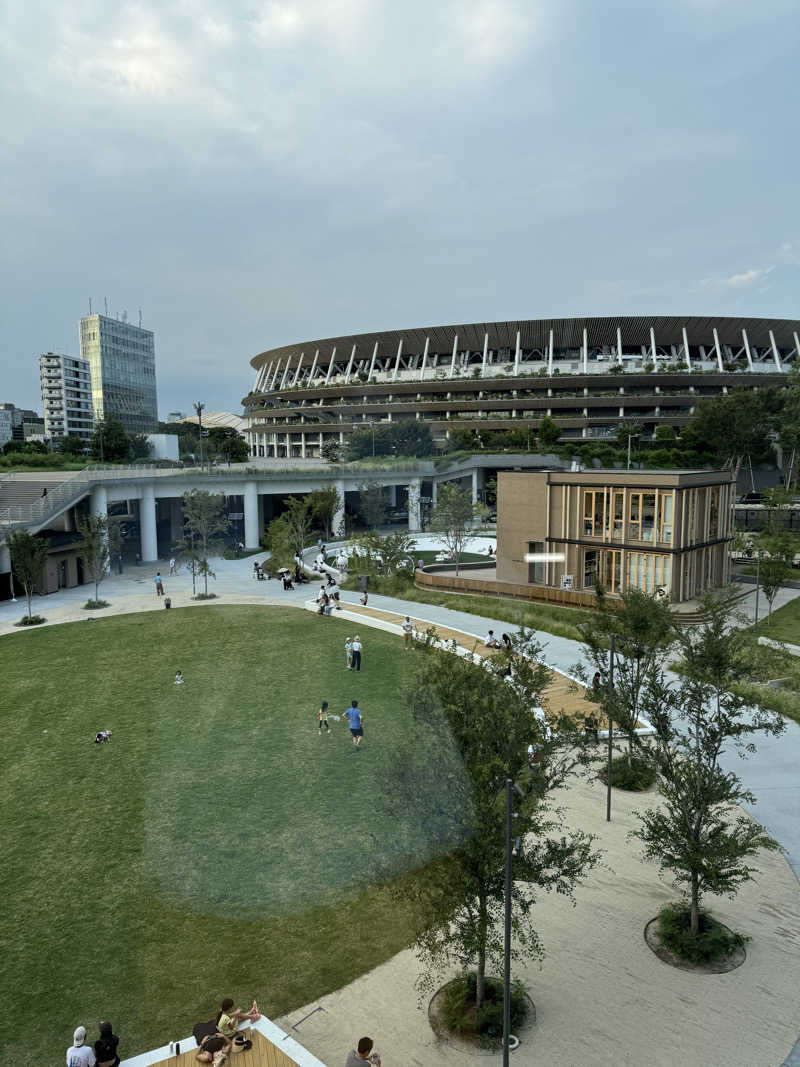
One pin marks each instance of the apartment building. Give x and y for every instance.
(66, 396)
(660, 531)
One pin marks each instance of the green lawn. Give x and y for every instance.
(552, 619)
(218, 846)
(428, 555)
(784, 625)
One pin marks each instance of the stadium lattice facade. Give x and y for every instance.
(589, 375)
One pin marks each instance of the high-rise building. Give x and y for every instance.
(66, 396)
(123, 364)
(24, 421)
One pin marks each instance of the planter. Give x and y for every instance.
(480, 1044)
(721, 966)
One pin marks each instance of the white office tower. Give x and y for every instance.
(66, 396)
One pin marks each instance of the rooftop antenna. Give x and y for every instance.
(140, 318)
(90, 305)
(105, 304)
(125, 316)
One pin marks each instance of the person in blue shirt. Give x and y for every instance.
(353, 714)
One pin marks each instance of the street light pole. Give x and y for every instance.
(507, 940)
(758, 583)
(198, 407)
(630, 435)
(610, 726)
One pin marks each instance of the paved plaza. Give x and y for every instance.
(601, 995)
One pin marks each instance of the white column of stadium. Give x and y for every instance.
(687, 357)
(549, 355)
(397, 361)
(372, 363)
(274, 376)
(283, 379)
(747, 349)
(797, 345)
(299, 367)
(653, 347)
(775, 354)
(424, 359)
(453, 360)
(585, 352)
(330, 365)
(310, 377)
(619, 346)
(516, 356)
(485, 354)
(718, 349)
(350, 366)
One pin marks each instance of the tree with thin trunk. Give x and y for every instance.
(101, 541)
(489, 708)
(28, 557)
(372, 504)
(696, 834)
(324, 505)
(451, 519)
(205, 522)
(644, 632)
(773, 574)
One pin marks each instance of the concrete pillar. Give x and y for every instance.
(251, 530)
(338, 518)
(148, 539)
(434, 493)
(475, 485)
(99, 501)
(392, 496)
(414, 492)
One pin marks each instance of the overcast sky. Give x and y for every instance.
(255, 173)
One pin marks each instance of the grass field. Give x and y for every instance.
(552, 619)
(217, 846)
(784, 623)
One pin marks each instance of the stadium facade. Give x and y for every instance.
(590, 375)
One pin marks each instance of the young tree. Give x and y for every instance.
(205, 521)
(644, 632)
(411, 437)
(549, 432)
(323, 505)
(331, 452)
(451, 519)
(227, 444)
(280, 542)
(28, 557)
(298, 522)
(491, 719)
(694, 834)
(773, 575)
(101, 542)
(372, 504)
(186, 547)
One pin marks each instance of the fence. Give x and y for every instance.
(489, 587)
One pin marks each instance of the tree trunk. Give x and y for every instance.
(695, 906)
(28, 597)
(480, 985)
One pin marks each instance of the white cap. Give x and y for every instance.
(79, 1036)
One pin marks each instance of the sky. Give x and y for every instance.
(251, 173)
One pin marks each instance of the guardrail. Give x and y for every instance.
(489, 587)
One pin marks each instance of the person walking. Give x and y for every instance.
(357, 646)
(322, 718)
(79, 1054)
(159, 584)
(408, 633)
(356, 719)
(172, 567)
(348, 651)
(363, 1053)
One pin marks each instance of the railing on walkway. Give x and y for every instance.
(490, 587)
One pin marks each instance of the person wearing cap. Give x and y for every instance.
(79, 1054)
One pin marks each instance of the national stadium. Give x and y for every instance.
(590, 375)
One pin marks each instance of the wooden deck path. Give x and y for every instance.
(262, 1054)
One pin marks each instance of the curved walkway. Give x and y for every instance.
(655, 1015)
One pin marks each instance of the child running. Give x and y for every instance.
(353, 713)
(322, 719)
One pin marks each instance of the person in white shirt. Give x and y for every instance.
(491, 641)
(348, 651)
(79, 1054)
(172, 566)
(357, 646)
(408, 633)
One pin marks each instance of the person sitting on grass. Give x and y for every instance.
(102, 736)
(179, 678)
(491, 641)
(229, 1018)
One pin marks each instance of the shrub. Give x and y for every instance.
(205, 596)
(34, 620)
(714, 942)
(635, 774)
(95, 605)
(458, 1013)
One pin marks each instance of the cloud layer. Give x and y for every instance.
(251, 173)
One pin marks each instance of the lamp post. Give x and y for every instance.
(198, 407)
(758, 582)
(610, 726)
(630, 436)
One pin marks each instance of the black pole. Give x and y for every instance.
(507, 951)
(610, 725)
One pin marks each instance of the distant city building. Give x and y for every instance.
(123, 366)
(6, 426)
(66, 396)
(24, 421)
(175, 416)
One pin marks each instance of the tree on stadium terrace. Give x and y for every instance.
(451, 518)
(739, 424)
(101, 542)
(789, 424)
(110, 443)
(696, 833)
(205, 522)
(489, 707)
(549, 432)
(226, 443)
